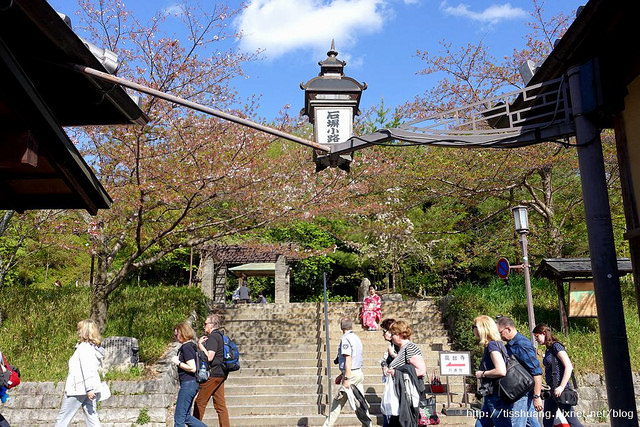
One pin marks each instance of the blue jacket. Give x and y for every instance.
(523, 350)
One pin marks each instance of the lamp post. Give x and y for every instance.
(331, 101)
(521, 218)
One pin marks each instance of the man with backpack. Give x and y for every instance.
(212, 344)
(525, 409)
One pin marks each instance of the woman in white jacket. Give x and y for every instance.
(83, 379)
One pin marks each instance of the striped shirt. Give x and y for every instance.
(405, 354)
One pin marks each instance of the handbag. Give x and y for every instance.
(568, 396)
(103, 391)
(517, 382)
(427, 409)
(389, 404)
(436, 384)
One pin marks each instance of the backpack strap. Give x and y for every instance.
(554, 354)
(505, 355)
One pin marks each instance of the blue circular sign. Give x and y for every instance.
(503, 268)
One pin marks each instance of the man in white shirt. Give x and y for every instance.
(350, 364)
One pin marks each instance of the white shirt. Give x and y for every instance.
(83, 369)
(350, 345)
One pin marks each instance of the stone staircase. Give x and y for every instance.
(283, 380)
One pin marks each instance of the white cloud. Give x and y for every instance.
(491, 15)
(280, 26)
(175, 9)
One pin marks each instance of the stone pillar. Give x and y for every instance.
(363, 289)
(220, 284)
(207, 271)
(282, 280)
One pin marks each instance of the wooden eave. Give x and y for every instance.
(574, 268)
(40, 168)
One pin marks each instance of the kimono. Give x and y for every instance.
(371, 313)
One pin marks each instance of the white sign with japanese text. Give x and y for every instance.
(333, 124)
(455, 363)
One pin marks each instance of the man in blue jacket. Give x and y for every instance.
(524, 409)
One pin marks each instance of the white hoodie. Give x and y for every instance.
(83, 369)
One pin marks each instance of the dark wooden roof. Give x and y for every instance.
(42, 44)
(40, 167)
(243, 254)
(574, 268)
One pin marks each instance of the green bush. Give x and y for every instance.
(468, 300)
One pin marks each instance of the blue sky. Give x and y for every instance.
(377, 38)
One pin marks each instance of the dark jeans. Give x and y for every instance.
(494, 412)
(550, 408)
(182, 416)
(4, 422)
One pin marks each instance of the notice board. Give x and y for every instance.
(582, 299)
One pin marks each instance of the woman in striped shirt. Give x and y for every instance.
(409, 352)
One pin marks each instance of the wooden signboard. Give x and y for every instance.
(582, 299)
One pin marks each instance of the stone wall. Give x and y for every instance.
(592, 401)
(149, 403)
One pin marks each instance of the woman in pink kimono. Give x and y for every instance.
(371, 313)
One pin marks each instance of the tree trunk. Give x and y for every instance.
(100, 294)
(99, 306)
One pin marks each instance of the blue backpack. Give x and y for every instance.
(231, 356)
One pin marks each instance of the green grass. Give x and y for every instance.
(38, 332)
(583, 341)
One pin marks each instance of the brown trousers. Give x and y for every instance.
(213, 387)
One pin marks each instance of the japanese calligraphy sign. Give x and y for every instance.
(333, 124)
(455, 363)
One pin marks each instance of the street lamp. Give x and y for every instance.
(521, 218)
(331, 101)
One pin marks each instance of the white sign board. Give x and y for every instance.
(333, 124)
(454, 363)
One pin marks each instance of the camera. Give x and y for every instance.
(482, 392)
(545, 393)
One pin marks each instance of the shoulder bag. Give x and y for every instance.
(517, 382)
(568, 396)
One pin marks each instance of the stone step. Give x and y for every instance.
(280, 399)
(305, 311)
(46, 416)
(370, 366)
(289, 337)
(346, 419)
(271, 380)
(232, 389)
(261, 372)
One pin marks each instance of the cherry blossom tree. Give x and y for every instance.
(185, 179)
